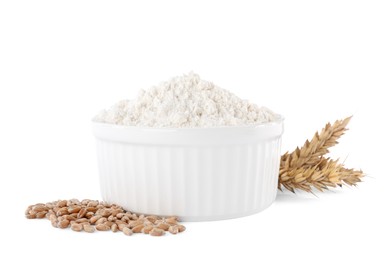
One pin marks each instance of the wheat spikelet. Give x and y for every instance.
(351, 176)
(327, 173)
(306, 168)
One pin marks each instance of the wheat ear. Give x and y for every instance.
(306, 167)
(327, 173)
(309, 154)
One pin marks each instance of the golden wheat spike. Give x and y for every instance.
(306, 168)
(318, 146)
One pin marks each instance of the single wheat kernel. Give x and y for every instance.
(101, 221)
(69, 217)
(93, 203)
(151, 219)
(63, 224)
(85, 202)
(74, 201)
(122, 226)
(102, 227)
(94, 219)
(62, 211)
(91, 209)
(181, 228)
(88, 228)
(82, 213)
(120, 222)
(134, 223)
(105, 212)
(27, 212)
(156, 232)
(115, 212)
(89, 215)
(76, 227)
(163, 226)
(39, 208)
(82, 220)
(127, 231)
(159, 221)
(171, 220)
(138, 228)
(49, 205)
(53, 217)
(74, 209)
(109, 223)
(62, 203)
(31, 216)
(41, 214)
(54, 223)
(147, 229)
(173, 230)
(48, 214)
(125, 219)
(114, 227)
(74, 215)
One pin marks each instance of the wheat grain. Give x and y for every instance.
(173, 230)
(156, 232)
(76, 227)
(127, 231)
(89, 215)
(102, 227)
(138, 228)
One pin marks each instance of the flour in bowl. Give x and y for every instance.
(186, 101)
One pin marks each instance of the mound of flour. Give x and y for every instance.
(186, 101)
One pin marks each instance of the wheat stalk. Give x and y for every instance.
(306, 168)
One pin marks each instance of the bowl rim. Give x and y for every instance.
(280, 120)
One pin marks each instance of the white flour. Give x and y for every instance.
(186, 101)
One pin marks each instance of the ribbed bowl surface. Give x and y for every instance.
(196, 174)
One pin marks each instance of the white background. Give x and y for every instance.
(61, 62)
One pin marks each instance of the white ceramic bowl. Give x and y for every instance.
(196, 174)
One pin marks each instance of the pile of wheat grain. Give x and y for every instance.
(90, 215)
